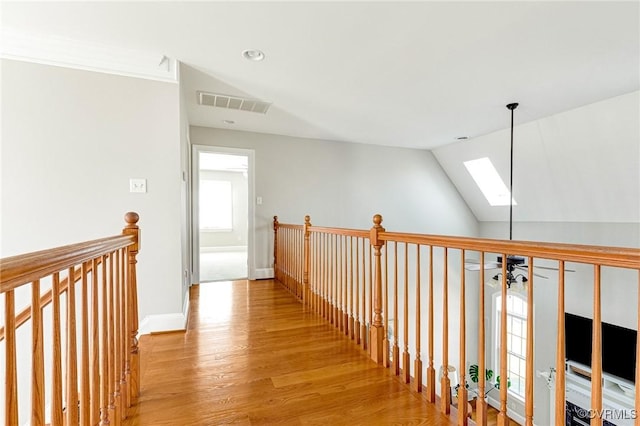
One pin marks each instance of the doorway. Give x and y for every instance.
(222, 213)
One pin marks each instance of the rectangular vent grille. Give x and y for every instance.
(233, 102)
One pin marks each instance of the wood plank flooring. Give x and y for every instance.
(253, 356)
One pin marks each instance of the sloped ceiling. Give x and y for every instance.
(582, 165)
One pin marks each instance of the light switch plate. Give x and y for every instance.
(259, 201)
(137, 185)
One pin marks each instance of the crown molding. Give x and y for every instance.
(84, 55)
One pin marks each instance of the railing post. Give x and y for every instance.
(275, 247)
(132, 288)
(376, 335)
(307, 261)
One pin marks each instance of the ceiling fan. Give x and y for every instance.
(515, 264)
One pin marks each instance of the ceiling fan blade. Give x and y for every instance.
(475, 266)
(551, 268)
(525, 268)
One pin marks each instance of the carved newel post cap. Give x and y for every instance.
(131, 218)
(307, 220)
(377, 219)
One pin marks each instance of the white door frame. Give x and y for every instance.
(195, 210)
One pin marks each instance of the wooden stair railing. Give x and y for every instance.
(343, 276)
(93, 373)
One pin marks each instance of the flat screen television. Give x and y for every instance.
(618, 346)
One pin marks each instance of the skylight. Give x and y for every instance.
(489, 181)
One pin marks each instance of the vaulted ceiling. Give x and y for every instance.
(414, 74)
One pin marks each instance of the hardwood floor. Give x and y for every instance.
(252, 355)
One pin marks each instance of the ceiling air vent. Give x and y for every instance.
(233, 102)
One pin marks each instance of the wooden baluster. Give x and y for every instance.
(385, 343)
(11, 372)
(351, 296)
(462, 390)
(72, 417)
(431, 371)
(481, 404)
(94, 369)
(85, 413)
(124, 336)
(104, 345)
(528, 410)
(56, 354)
(445, 384)
(377, 327)
(111, 378)
(340, 324)
(132, 307)
(357, 327)
(37, 359)
(287, 281)
(331, 279)
(325, 280)
(307, 262)
(337, 292)
(329, 257)
(637, 394)
(596, 351)
(363, 324)
(371, 291)
(560, 351)
(300, 262)
(345, 278)
(275, 248)
(406, 359)
(396, 348)
(417, 363)
(503, 420)
(316, 275)
(117, 353)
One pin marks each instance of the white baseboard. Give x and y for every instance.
(264, 274)
(162, 322)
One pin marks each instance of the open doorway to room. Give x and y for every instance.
(223, 213)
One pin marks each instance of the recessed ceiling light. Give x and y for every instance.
(228, 122)
(253, 55)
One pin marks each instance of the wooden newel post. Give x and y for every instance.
(275, 247)
(306, 299)
(377, 328)
(132, 304)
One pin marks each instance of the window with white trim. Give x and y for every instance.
(216, 205)
(516, 341)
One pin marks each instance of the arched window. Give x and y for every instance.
(516, 341)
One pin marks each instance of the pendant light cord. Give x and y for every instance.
(511, 107)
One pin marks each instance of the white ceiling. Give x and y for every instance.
(415, 74)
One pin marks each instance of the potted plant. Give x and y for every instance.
(489, 384)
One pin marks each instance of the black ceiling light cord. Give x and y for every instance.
(511, 107)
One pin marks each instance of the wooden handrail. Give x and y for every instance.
(25, 268)
(24, 315)
(621, 257)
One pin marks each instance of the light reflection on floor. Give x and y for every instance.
(217, 297)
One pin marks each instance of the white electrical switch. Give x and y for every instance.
(259, 201)
(137, 185)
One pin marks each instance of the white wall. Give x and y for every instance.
(343, 184)
(70, 142)
(619, 287)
